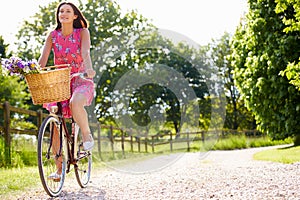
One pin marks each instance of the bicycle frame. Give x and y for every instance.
(70, 139)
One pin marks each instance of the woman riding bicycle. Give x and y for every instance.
(70, 43)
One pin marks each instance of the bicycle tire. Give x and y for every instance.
(46, 162)
(83, 165)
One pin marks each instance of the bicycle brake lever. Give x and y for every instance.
(84, 75)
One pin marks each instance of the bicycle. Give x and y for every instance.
(69, 149)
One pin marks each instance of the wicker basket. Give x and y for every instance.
(49, 86)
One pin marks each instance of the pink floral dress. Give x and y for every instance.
(67, 51)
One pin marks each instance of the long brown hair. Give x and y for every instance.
(79, 22)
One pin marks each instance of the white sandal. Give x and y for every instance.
(54, 176)
(88, 145)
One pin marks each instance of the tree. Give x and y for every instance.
(292, 22)
(292, 26)
(3, 48)
(158, 95)
(237, 115)
(261, 49)
(12, 89)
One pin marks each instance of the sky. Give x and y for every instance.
(198, 20)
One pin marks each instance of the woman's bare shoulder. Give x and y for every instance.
(85, 31)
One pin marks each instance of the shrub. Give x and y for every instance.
(231, 142)
(22, 153)
(2, 155)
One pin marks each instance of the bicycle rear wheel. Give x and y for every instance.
(84, 160)
(48, 152)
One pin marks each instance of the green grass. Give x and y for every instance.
(230, 143)
(17, 179)
(242, 142)
(286, 155)
(266, 141)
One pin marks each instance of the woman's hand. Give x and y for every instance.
(90, 73)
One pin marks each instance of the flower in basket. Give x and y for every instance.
(16, 66)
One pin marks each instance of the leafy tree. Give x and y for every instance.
(292, 26)
(261, 49)
(237, 115)
(12, 89)
(292, 22)
(291, 10)
(3, 48)
(149, 53)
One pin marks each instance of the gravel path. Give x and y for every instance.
(214, 175)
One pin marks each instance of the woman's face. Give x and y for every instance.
(66, 14)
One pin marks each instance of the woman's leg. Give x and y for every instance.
(77, 103)
(55, 151)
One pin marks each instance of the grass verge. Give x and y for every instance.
(242, 142)
(17, 179)
(287, 155)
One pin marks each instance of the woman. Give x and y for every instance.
(70, 42)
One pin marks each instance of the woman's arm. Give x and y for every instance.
(85, 52)
(46, 51)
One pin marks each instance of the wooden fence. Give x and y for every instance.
(119, 140)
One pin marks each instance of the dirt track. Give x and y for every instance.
(214, 175)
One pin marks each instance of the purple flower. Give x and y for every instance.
(20, 64)
(16, 66)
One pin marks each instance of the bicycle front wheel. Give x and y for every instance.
(84, 160)
(51, 156)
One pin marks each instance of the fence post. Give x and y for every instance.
(171, 141)
(112, 140)
(39, 120)
(188, 141)
(146, 144)
(139, 144)
(122, 143)
(152, 143)
(99, 139)
(7, 138)
(131, 143)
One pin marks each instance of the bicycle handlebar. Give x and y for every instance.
(82, 75)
